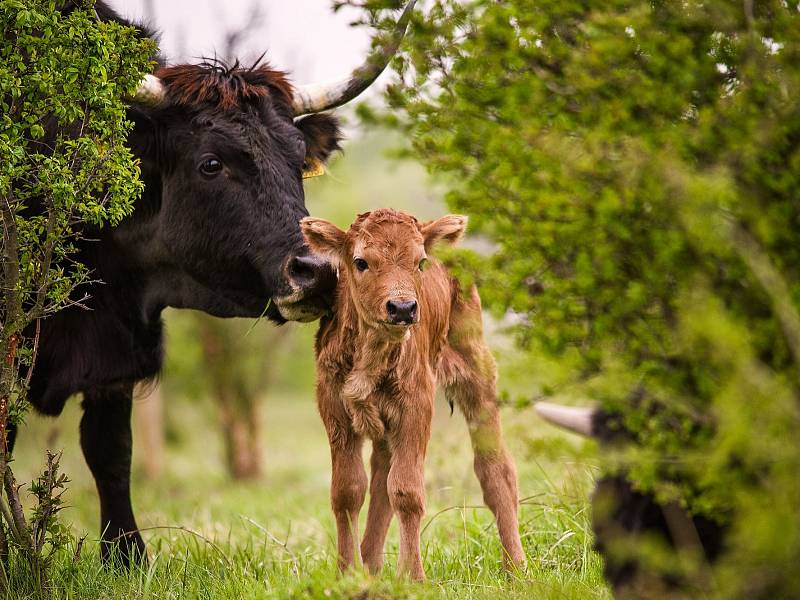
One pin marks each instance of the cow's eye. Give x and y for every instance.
(211, 166)
(361, 264)
(423, 264)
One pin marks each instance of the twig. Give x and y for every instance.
(773, 284)
(17, 513)
(77, 555)
(35, 352)
(448, 509)
(6, 512)
(525, 500)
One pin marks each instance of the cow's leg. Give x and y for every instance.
(380, 509)
(106, 444)
(348, 488)
(406, 483)
(469, 373)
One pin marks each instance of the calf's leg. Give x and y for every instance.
(498, 478)
(469, 373)
(348, 488)
(106, 444)
(379, 515)
(406, 484)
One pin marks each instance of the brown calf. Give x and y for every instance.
(400, 326)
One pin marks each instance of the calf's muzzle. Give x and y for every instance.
(402, 312)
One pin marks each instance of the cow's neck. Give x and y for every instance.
(115, 335)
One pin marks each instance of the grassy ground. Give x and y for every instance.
(275, 538)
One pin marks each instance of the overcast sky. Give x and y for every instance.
(303, 37)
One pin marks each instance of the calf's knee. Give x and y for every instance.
(496, 472)
(407, 498)
(349, 496)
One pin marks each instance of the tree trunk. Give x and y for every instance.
(235, 386)
(241, 431)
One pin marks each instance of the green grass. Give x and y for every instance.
(275, 538)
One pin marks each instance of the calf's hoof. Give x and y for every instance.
(414, 572)
(516, 565)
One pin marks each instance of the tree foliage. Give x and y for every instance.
(636, 165)
(64, 167)
(64, 172)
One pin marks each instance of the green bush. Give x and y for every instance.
(636, 166)
(64, 169)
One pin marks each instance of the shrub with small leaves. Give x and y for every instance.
(64, 171)
(637, 166)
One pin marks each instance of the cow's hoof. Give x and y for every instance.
(125, 551)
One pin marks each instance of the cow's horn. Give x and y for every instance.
(316, 97)
(151, 91)
(578, 420)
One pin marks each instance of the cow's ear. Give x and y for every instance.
(142, 139)
(448, 229)
(323, 237)
(322, 136)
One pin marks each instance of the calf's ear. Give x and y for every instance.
(449, 229)
(323, 237)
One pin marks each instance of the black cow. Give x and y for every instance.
(627, 522)
(217, 229)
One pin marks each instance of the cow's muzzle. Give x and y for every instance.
(312, 282)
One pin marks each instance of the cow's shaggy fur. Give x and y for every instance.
(223, 242)
(377, 378)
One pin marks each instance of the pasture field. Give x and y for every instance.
(275, 538)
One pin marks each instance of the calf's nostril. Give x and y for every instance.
(401, 311)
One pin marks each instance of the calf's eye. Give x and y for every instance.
(211, 166)
(361, 264)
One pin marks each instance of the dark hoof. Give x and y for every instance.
(124, 551)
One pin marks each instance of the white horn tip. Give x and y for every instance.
(151, 90)
(577, 420)
(314, 98)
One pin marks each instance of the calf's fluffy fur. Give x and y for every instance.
(400, 326)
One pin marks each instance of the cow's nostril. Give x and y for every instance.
(303, 270)
(312, 274)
